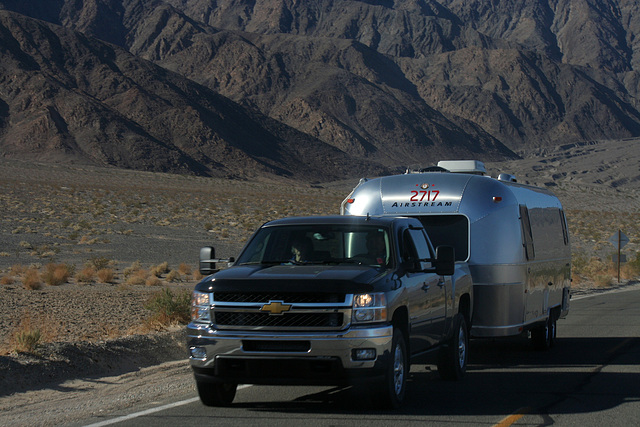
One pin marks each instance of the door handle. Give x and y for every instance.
(441, 282)
(425, 287)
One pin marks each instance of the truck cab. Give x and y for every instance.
(330, 301)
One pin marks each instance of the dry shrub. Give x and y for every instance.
(631, 269)
(32, 279)
(17, 270)
(26, 340)
(110, 332)
(160, 269)
(197, 276)
(594, 270)
(100, 263)
(6, 280)
(32, 331)
(138, 277)
(168, 309)
(106, 275)
(185, 269)
(602, 280)
(174, 276)
(153, 281)
(87, 240)
(56, 274)
(86, 275)
(134, 267)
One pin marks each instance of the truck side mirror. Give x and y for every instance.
(207, 260)
(445, 263)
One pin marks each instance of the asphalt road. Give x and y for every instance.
(591, 377)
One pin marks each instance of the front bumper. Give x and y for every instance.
(287, 358)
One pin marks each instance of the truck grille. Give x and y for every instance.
(290, 298)
(303, 311)
(287, 320)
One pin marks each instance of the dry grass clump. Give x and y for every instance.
(100, 263)
(137, 277)
(56, 274)
(174, 276)
(86, 275)
(591, 270)
(153, 280)
(184, 268)
(106, 275)
(33, 331)
(168, 309)
(17, 270)
(134, 267)
(32, 280)
(631, 269)
(160, 269)
(6, 280)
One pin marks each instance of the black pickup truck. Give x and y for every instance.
(329, 301)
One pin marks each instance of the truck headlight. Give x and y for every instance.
(369, 308)
(200, 307)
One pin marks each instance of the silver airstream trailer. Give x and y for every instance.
(513, 236)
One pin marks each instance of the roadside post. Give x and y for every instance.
(619, 240)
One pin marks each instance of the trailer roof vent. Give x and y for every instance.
(507, 177)
(474, 167)
(419, 169)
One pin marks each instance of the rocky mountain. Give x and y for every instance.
(313, 90)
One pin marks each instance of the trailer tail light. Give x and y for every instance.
(497, 199)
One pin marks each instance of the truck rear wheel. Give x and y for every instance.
(453, 357)
(216, 394)
(393, 388)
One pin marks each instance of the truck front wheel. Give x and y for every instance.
(393, 388)
(453, 357)
(216, 394)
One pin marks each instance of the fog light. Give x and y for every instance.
(363, 354)
(198, 353)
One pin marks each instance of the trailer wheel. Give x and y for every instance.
(553, 330)
(453, 357)
(393, 387)
(543, 337)
(216, 394)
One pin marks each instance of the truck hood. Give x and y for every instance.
(292, 278)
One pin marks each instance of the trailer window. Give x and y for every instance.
(526, 233)
(448, 230)
(565, 232)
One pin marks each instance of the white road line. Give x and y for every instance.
(151, 411)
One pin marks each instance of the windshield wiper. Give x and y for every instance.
(276, 261)
(344, 261)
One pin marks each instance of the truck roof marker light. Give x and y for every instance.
(351, 200)
(497, 199)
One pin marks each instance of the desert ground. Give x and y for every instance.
(122, 237)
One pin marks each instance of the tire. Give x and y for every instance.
(392, 389)
(553, 328)
(543, 337)
(216, 394)
(453, 357)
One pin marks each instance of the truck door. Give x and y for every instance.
(426, 293)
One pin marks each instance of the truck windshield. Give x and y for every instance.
(319, 244)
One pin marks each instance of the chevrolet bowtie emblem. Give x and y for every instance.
(276, 307)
